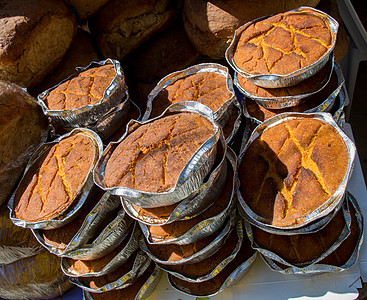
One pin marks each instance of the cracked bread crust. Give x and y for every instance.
(152, 157)
(52, 184)
(283, 43)
(208, 88)
(291, 169)
(85, 89)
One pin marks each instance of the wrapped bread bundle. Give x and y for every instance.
(23, 127)
(284, 49)
(303, 162)
(209, 84)
(181, 147)
(35, 277)
(84, 97)
(190, 207)
(57, 174)
(34, 37)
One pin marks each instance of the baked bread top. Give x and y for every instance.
(85, 89)
(291, 169)
(208, 88)
(53, 182)
(283, 43)
(152, 157)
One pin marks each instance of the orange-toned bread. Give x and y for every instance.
(151, 158)
(283, 43)
(291, 169)
(208, 88)
(54, 181)
(85, 89)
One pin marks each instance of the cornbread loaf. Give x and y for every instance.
(151, 158)
(23, 127)
(178, 228)
(208, 88)
(80, 54)
(128, 293)
(34, 36)
(15, 242)
(307, 86)
(35, 277)
(96, 282)
(302, 249)
(283, 43)
(211, 286)
(86, 8)
(261, 113)
(55, 179)
(343, 253)
(87, 88)
(291, 169)
(210, 25)
(208, 265)
(121, 26)
(173, 252)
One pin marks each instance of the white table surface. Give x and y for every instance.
(262, 283)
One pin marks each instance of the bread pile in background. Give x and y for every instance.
(41, 44)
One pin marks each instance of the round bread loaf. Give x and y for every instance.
(121, 26)
(23, 127)
(291, 169)
(152, 157)
(283, 43)
(34, 36)
(210, 25)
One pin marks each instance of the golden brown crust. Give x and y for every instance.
(85, 89)
(291, 169)
(55, 180)
(208, 88)
(152, 157)
(283, 43)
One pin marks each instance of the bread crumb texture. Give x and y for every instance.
(56, 181)
(283, 43)
(291, 169)
(151, 158)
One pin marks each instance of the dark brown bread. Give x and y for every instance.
(34, 36)
(23, 127)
